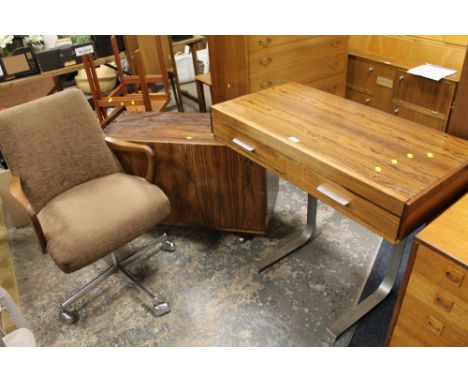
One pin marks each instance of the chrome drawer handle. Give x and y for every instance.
(264, 42)
(244, 145)
(396, 110)
(266, 84)
(265, 61)
(332, 195)
(401, 78)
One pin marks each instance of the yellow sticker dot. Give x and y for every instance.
(430, 155)
(378, 169)
(121, 103)
(394, 162)
(133, 102)
(110, 100)
(189, 138)
(410, 156)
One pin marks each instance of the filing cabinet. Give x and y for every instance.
(245, 64)
(432, 308)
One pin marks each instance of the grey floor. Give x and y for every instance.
(217, 297)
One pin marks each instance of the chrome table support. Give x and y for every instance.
(296, 241)
(364, 307)
(116, 265)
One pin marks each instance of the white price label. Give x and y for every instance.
(87, 49)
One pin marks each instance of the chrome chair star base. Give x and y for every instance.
(158, 307)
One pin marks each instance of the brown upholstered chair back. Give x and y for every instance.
(53, 144)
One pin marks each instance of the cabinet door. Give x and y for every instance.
(432, 95)
(362, 74)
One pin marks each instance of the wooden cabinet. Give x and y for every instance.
(432, 307)
(391, 89)
(245, 64)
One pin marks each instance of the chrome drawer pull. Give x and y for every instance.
(244, 145)
(266, 84)
(264, 42)
(265, 61)
(332, 195)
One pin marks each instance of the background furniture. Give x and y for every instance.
(388, 174)
(21, 336)
(82, 206)
(377, 76)
(432, 306)
(200, 80)
(244, 64)
(458, 125)
(208, 185)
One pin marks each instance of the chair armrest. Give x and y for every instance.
(121, 145)
(16, 190)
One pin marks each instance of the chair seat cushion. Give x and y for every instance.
(89, 221)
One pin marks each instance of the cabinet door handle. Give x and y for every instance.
(401, 78)
(332, 195)
(396, 110)
(443, 302)
(264, 42)
(371, 69)
(265, 61)
(266, 84)
(367, 100)
(244, 145)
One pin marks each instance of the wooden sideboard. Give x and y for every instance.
(390, 88)
(378, 78)
(208, 184)
(432, 307)
(244, 64)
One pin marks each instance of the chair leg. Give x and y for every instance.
(159, 308)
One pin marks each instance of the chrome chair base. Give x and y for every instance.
(158, 307)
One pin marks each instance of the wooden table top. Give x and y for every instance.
(186, 128)
(348, 140)
(448, 233)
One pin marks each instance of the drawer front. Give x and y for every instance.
(442, 272)
(401, 337)
(334, 84)
(428, 326)
(360, 97)
(362, 74)
(263, 42)
(438, 300)
(424, 117)
(302, 72)
(361, 210)
(432, 95)
(282, 57)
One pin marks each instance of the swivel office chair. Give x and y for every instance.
(82, 205)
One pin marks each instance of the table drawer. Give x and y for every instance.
(361, 210)
(302, 72)
(257, 42)
(428, 326)
(334, 84)
(442, 272)
(416, 114)
(360, 97)
(282, 57)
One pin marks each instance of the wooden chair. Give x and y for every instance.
(120, 98)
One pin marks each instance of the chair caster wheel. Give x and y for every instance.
(161, 308)
(67, 317)
(168, 246)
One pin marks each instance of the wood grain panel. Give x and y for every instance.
(260, 42)
(457, 125)
(208, 184)
(335, 84)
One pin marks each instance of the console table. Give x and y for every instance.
(388, 174)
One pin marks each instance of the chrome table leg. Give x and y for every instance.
(364, 307)
(296, 241)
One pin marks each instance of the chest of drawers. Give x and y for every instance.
(432, 309)
(245, 64)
